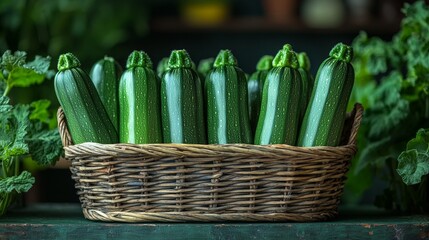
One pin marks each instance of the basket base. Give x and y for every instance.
(135, 217)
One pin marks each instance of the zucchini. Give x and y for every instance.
(87, 119)
(226, 93)
(162, 66)
(105, 75)
(255, 85)
(139, 102)
(182, 101)
(204, 67)
(324, 119)
(278, 119)
(307, 82)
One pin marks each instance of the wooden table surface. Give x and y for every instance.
(65, 221)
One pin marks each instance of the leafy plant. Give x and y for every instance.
(414, 162)
(24, 128)
(392, 84)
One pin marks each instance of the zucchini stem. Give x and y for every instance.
(303, 61)
(286, 57)
(342, 52)
(139, 59)
(67, 61)
(265, 63)
(225, 58)
(179, 59)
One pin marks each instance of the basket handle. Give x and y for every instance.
(356, 114)
(62, 128)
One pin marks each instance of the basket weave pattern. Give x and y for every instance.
(195, 182)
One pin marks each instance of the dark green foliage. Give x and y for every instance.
(26, 130)
(391, 83)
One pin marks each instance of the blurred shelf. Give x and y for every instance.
(65, 221)
(263, 25)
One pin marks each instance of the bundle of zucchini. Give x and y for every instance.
(280, 103)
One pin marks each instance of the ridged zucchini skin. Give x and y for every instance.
(255, 85)
(227, 110)
(182, 102)
(324, 119)
(105, 75)
(139, 102)
(307, 82)
(87, 119)
(278, 119)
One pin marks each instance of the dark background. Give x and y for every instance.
(250, 28)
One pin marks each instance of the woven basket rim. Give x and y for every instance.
(177, 150)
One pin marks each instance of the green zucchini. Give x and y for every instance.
(105, 75)
(226, 93)
(307, 82)
(324, 119)
(255, 85)
(87, 119)
(139, 102)
(204, 67)
(182, 101)
(278, 119)
(162, 66)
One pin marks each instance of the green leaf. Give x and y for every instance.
(416, 20)
(4, 105)
(40, 111)
(40, 64)
(45, 146)
(372, 55)
(9, 150)
(13, 132)
(21, 114)
(412, 166)
(414, 162)
(24, 133)
(24, 77)
(10, 61)
(17, 73)
(389, 108)
(421, 142)
(19, 184)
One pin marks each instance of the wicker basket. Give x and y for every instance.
(193, 182)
